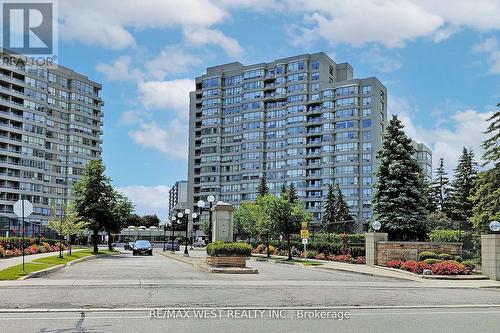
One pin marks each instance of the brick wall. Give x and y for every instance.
(233, 261)
(409, 250)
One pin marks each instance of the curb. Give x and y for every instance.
(61, 266)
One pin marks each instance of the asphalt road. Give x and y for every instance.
(106, 294)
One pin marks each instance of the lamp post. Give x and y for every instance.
(172, 250)
(201, 206)
(164, 236)
(186, 212)
(494, 226)
(376, 226)
(194, 216)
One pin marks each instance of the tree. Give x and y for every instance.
(245, 219)
(68, 224)
(121, 211)
(460, 202)
(287, 217)
(262, 190)
(150, 221)
(93, 198)
(284, 189)
(440, 187)
(399, 201)
(438, 220)
(344, 223)
(486, 193)
(264, 223)
(330, 213)
(133, 220)
(292, 194)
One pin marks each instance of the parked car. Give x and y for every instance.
(128, 246)
(142, 247)
(172, 246)
(199, 243)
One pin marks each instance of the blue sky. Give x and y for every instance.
(440, 60)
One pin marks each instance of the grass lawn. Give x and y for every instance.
(298, 261)
(15, 272)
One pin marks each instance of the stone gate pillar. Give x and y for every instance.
(222, 230)
(371, 239)
(490, 256)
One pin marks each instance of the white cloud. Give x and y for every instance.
(148, 199)
(463, 128)
(110, 23)
(379, 61)
(172, 95)
(491, 47)
(171, 141)
(119, 70)
(200, 36)
(391, 23)
(171, 61)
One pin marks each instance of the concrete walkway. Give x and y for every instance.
(8, 262)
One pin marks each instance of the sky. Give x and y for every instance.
(439, 59)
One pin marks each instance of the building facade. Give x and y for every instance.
(50, 127)
(178, 198)
(303, 120)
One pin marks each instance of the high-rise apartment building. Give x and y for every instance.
(177, 198)
(301, 120)
(50, 127)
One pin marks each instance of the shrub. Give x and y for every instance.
(445, 256)
(394, 263)
(431, 261)
(414, 266)
(320, 256)
(2, 251)
(426, 255)
(458, 258)
(311, 254)
(217, 249)
(469, 264)
(343, 257)
(360, 260)
(449, 268)
(445, 235)
(260, 248)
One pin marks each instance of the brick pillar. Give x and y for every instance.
(371, 239)
(490, 256)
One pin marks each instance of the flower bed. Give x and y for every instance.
(12, 246)
(445, 267)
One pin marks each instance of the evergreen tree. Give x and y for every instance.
(344, 221)
(440, 187)
(330, 212)
(94, 198)
(262, 189)
(399, 201)
(284, 189)
(486, 193)
(292, 194)
(460, 204)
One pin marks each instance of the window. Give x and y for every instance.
(346, 113)
(367, 180)
(366, 123)
(315, 64)
(367, 135)
(367, 145)
(367, 157)
(367, 90)
(346, 101)
(346, 124)
(297, 77)
(367, 100)
(315, 76)
(346, 90)
(296, 66)
(253, 73)
(212, 82)
(315, 86)
(367, 112)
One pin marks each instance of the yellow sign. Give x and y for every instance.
(304, 225)
(304, 233)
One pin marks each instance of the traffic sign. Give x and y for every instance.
(304, 233)
(23, 208)
(304, 241)
(304, 225)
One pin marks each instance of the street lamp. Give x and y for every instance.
(376, 225)
(201, 206)
(151, 228)
(186, 212)
(164, 236)
(172, 250)
(495, 226)
(194, 216)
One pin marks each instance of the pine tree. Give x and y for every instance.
(292, 194)
(344, 220)
(284, 189)
(262, 189)
(399, 201)
(440, 186)
(330, 213)
(486, 193)
(460, 204)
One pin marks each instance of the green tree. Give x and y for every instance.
(438, 220)
(440, 187)
(399, 201)
(284, 189)
(93, 198)
(150, 221)
(68, 224)
(121, 211)
(245, 219)
(292, 194)
(330, 213)
(486, 193)
(264, 223)
(263, 189)
(344, 223)
(133, 220)
(459, 206)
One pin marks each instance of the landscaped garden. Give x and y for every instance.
(438, 264)
(12, 246)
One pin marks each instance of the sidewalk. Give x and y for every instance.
(8, 262)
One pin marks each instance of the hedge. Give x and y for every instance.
(220, 249)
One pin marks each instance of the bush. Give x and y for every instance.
(445, 256)
(320, 256)
(449, 268)
(414, 266)
(343, 258)
(311, 254)
(446, 235)
(360, 260)
(426, 255)
(394, 263)
(218, 249)
(458, 258)
(431, 261)
(469, 264)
